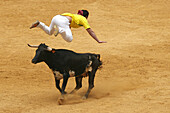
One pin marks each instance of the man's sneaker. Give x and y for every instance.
(35, 24)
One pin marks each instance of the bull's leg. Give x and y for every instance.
(58, 85)
(57, 82)
(78, 84)
(91, 83)
(65, 79)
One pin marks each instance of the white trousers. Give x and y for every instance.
(63, 27)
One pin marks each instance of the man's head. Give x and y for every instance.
(84, 13)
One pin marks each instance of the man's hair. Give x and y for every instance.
(85, 13)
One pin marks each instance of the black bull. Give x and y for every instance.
(66, 63)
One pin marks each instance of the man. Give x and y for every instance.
(64, 22)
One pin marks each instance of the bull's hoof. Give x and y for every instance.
(61, 100)
(84, 97)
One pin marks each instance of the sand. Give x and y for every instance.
(135, 77)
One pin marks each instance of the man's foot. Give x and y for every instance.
(35, 24)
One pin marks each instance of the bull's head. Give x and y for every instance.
(40, 52)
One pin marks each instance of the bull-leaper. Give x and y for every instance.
(61, 24)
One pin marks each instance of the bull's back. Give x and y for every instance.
(73, 59)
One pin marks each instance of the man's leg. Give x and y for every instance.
(66, 34)
(49, 30)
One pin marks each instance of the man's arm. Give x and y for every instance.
(93, 35)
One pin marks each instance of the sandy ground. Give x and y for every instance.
(135, 77)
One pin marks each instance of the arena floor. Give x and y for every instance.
(135, 77)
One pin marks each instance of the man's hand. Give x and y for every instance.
(102, 42)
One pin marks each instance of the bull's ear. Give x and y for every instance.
(33, 46)
(42, 44)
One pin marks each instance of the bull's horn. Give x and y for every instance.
(33, 46)
(49, 49)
